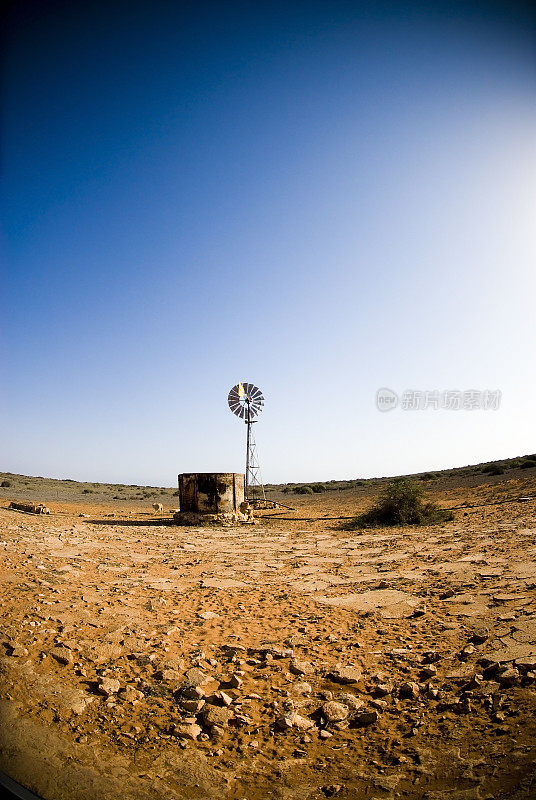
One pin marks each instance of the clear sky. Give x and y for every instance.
(321, 198)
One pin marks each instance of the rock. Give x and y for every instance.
(232, 649)
(429, 670)
(62, 654)
(175, 664)
(301, 668)
(293, 720)
(108, 686)
(278, 652)
(526, 664)
(216, 732)
(334, 712)
(236, 681)
(169, 676)
(467, 651)
(78, 704)
(216, 715)
(192, 706)
(419, 612)
(382, 689)
(18, 651)
(190, 692)
(303, 687)
(302, 723)
(284, 721)
(345, 675)
(130, 694)
(325, 734)
(431, 656)
(509, 677)
(243, 719)
(195, 677)
(480, 634)
(409, 689)
(187, 731)
(379, 705)
(206, 615)
(350, 701)
(332, 789)
(363, 718)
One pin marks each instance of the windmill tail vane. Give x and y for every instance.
(246, 401)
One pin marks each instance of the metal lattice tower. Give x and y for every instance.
(246, 401)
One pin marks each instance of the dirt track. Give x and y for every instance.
(339, 655)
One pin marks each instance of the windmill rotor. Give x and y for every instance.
(245, 400)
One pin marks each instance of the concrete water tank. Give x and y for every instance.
(211, 492)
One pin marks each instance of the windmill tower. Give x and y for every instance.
(246, 401)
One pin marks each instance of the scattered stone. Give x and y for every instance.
(363, 718)
(130, 694)
(382, 690)
(206, 615)
(345, 675)
(334, 712)
(169, 676)
(509, 677)
(216, 715)
(431, 657)
(192, 706)
(301, 668)
(293, 720)
(480, 634)
(195, 677)
(18, 651)
(379, 705)
(62, 654)
(350, 701)
(467, 651)
(303, 687)
(409, 689)
(187, 730)
(429, 670)
(332, 789)
(108, 686)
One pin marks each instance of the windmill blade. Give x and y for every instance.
(244, 396)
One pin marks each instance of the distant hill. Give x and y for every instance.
(49, 489)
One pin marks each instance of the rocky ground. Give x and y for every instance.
(286, 659)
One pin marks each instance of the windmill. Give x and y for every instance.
(246, 401)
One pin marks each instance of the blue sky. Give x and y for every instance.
(320, 198)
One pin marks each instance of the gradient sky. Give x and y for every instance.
(320, 198)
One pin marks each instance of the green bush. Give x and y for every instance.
(494, 469)
(426, 476)
(401, 502)
(490, 468)
(87, 491)
(5, 484)
(303, 490)
(528, 463)
(318, 488)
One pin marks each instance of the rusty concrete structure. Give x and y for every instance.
(211, 496)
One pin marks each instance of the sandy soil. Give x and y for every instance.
(289, 659)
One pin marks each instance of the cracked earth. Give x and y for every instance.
(286, 659)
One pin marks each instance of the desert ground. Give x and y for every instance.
(292, 658)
